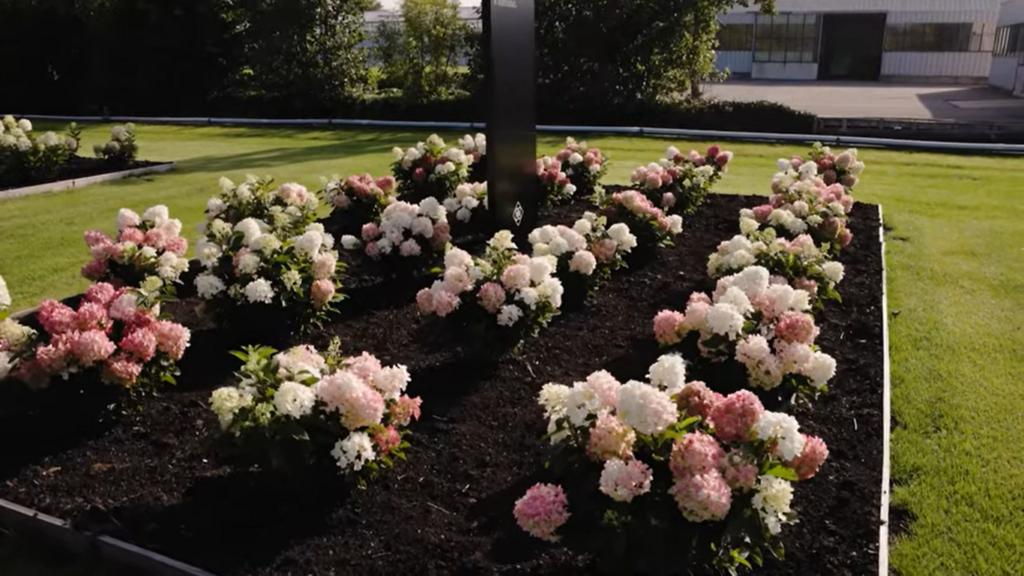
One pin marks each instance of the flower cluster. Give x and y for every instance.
(679, 183)
(23, 157)
(467, 202)
(111, 333)
(555, 186)
(148, 249)
(15, 338)
(662, 441)
(801, 203)
(361, 198)
(585, 166)
(843, 168)
(504, 289)
(430, 169)
(405, 233)
(121, 149)
(251, 264)
(286, 210)
(762, 325)
(584, 254)
(309, 406)
(651, 225)
(476, 148)
(799, 261)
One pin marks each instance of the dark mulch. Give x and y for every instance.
(152, 475)
(77, 167)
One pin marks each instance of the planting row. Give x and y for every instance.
(27, 158)
(729, 460)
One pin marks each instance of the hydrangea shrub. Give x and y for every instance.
(359, 200)
(430, 169)
(585, 166)
(299, 407)
(665, 472)
(765, 327)
(496, 300)
(844, 168)
(122, 148)
(24, 156)
(148, 249)
(799, 261)
(554, 184)
(678, 183)
(407, 237)
(285, 210)
(476, 148)
(111, 334)
(649, 223)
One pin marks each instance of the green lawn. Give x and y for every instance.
(956, 277)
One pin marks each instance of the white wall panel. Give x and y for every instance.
(787, 71)
(736, 62)
(945, 64)
(984, 16)
(890, 6)
(1011, 12)
(1004, 70)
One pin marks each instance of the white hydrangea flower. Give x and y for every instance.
(583, 262)
(294, 399)
(248, 264)
(554, 398)
(737, 299)
(784, 430)
(457, 258)
(354, 451)
(834, 271)
(350, 242)
(208, 286)
(226, 402)
(391, 381)
(820, 369)
(675, 224)
(250, 228)
(308, 244)
(25, 124)
(267, 243)
(645, 408)
(502, 240)
(127, 218)
(6, 364)
(724, 319)
(509, 315)
(5, 295)
(668, 373)
(259, 291)
(156, 214)
(772, 500)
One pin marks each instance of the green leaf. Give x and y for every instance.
(784, 472)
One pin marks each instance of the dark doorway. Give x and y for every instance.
(851, 46)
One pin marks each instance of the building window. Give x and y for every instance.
(947, 37)
(1009, 40)
(735, 37)
(786, 38)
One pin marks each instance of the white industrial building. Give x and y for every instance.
(949, 41)
(1008, 54)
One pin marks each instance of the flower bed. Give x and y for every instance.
(159, 477)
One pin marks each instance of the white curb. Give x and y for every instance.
(883, 526)
(83, 182)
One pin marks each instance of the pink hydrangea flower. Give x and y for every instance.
(457, 280)
(806, 284)
(624, 480)
(425, 301)
(668, 200)
(92, 316)
(702, 498)
(491, 296)
(357, 402)
(366, 366)
(796, 327)
(696, 399)
(101, 293)
(177, 245)
(516, 277)
(122, 371)
(845, 237)
(442, 235)
(762, 213)
(370, 232)
(739, 471)
(387, 439)
(445, 302)
(141, 344)
(667, 326)
(55, 317)
(405, 410)
(155, 238)
(386, 183)
(604, 251)
(610, 438)
(735, 415)
(321, 292)
(696, 453)
(96, 238)
(133, 235)
(542, 511)
(92, 346)
(409, 248)
(52, 358)
(95, 269)
(372, 250)
(714, 150)
(723, 159)
(171, 338)
(815, 452)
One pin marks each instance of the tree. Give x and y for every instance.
(422, 53)
(594, 53)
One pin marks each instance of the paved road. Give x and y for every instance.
(880, 100)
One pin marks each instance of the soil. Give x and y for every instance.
(78, 167)
(154, 474)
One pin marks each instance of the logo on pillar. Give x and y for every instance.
(517, 214)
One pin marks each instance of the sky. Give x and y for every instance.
(392, 4)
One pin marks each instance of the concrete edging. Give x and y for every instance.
(883, 525)
(76, 183)
(112, 550)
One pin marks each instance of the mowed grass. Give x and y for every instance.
(956, 279)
